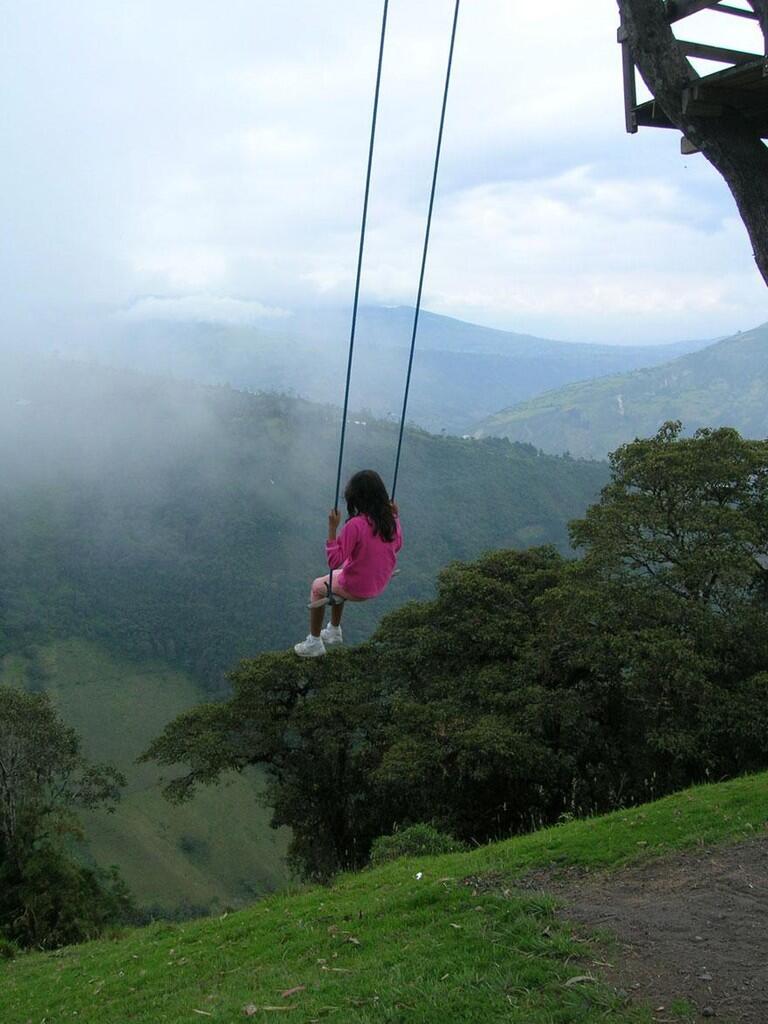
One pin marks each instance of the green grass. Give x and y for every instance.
(214, 852)
(383, 945)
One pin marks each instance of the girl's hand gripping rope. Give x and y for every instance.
(334, 518)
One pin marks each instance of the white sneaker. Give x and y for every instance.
(312, 647)
(331, 635)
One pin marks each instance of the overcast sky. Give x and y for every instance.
(206, 159)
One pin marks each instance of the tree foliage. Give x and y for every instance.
(532, 686)
(688, 516)
(46, 896)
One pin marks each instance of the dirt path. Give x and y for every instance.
(692, 926)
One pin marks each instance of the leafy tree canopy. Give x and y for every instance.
(687, 515)
(532, 686)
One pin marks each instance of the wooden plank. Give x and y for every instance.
(738, 11)
(718, 53)
(677, 9)
(739, 76)
(650, 115)
(701, 108)
(744, 99)
(630, 85)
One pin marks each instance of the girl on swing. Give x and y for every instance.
(363, 557)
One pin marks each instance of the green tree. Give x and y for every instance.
(310, 724)
(687, 517)
(530, 686)
(436, 718)
(46, 896)
(667, 611)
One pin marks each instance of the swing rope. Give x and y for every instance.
(360, 253)
(329, 585)
(331, 598)
(425, 250)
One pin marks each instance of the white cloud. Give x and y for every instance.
(218, 151)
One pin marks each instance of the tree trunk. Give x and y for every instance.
(728, 141)
(760, 7)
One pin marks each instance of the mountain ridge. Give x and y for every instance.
(723, 384)
(462, 372)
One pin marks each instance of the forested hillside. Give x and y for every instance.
(462, 371)
(723, 385)
(182, 522)
(153, 533)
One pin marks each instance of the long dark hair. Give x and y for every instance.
(366, 495)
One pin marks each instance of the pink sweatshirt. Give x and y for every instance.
(366, 561)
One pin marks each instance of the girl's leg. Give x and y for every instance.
(316, 615)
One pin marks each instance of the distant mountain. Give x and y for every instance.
(462, 372)
(725, 384)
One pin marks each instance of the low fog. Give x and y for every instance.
(168, 518)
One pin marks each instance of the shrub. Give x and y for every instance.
(8, 950)
(52, 900)
(417, 840)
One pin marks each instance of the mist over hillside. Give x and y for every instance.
(462, 371)
(725, 384)
(186, 521)
(154, 532)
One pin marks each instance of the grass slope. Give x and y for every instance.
(383, 945)
(723, 385)
(171, 857)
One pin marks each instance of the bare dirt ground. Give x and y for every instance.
(690, 926)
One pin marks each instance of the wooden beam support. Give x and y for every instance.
(738, 11)
(747, 101)
(701, 108)
(718, 53)
(630, 85)
(650, 115)
(677, 9)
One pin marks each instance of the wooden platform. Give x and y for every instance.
(743, 88)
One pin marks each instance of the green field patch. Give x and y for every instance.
(215, 852)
